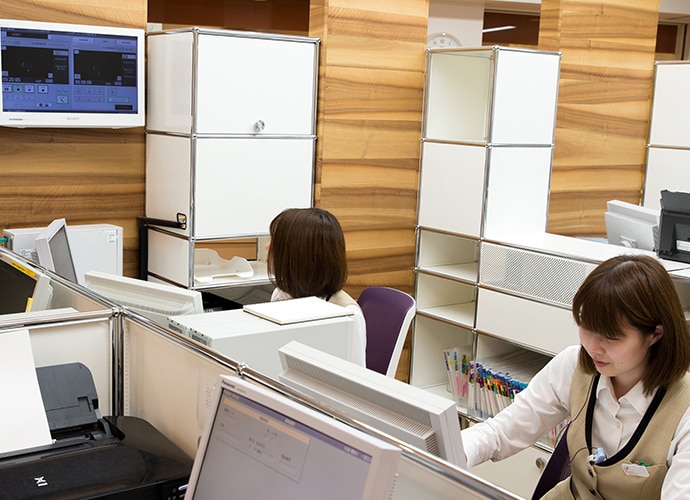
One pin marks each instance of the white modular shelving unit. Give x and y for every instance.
(668, 149)
(487, 148)
(231, 131)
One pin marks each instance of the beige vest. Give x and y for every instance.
(341, 298)
(609, 479)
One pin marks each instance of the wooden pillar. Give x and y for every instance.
(603, 105)
(369, 127)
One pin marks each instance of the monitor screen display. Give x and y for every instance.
(57, 75)
(260, 444)
(21, 288)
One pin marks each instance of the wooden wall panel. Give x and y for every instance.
(369, 128)
(603, 106)
(282, 16)
(88, 176)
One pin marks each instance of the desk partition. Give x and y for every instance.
(168, 380)
(144, 370)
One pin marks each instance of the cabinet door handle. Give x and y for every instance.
(540, 463)
(259, 126)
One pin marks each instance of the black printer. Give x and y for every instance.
(92, 456)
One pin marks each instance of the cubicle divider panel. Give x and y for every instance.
(70, 340)
(167, 382)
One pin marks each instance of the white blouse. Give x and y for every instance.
(545, 403)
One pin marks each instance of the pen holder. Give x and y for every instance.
(457, 361)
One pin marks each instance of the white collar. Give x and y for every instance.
(635, 397)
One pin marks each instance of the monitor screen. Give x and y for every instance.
(53, 249)
(21, 288)
(417, 417)
(260, 444)
(66, 75)
(154, 301)
(631, 226)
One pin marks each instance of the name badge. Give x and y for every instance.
(635, 470)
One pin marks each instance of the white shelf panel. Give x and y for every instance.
(459, 314)
(466, 272)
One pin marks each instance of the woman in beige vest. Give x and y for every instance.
(625, 390)
(306, 258)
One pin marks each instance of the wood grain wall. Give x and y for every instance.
(603, 106)
(369, 124)
(87, 176)
(369, 127)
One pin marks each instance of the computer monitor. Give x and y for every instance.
(258, 443)
(631, 226)
(417, 417)
(71, 75)
(674, 232)
(53, 250)
(22, 289)
(153, 300)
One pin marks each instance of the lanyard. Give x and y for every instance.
(637, 435)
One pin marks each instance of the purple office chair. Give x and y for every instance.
(388, 313)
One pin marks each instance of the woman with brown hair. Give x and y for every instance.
(625, 390)
(306, 257)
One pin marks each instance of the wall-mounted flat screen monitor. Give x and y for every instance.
(69, 75)
(414, 416)
(53, 249)
(261, 444)
(22, 289)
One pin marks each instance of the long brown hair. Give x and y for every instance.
(306, 255)
(636, 291)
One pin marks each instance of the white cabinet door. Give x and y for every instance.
(526, 95)
(451, 190)
(517, 190)
(669, 123)
(667, 168)
(226, 82)
(242, 184)
(518, 474)
(524, 322)
(243, 81)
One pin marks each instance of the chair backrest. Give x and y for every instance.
(556, 469)
(388, 314)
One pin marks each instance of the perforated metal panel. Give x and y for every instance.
(531, 274)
